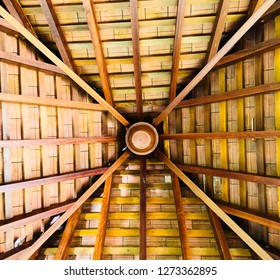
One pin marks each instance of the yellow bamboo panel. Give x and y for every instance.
(223, 142)
(200, 233)
(277, 104)
(121, 251)
(197, 216)
(161, 251)
(163, 232)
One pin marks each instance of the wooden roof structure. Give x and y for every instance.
(75, 75)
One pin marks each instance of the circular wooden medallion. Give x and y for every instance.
(141, 138)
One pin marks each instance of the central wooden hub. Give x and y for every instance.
(141, 138)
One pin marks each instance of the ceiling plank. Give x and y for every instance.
(102, 226)
(52, 179)
(97, 45)
(213, 206)
(68, 232)
(207, 68)
(181, 218)
(45, 236)
(136, 58)
(219, 235)
(35, 215)
(249, 177)
(250, 215)
(76, 78)
(257, 49)
(222, 135)
(218, 29)
(32, 100)
(244, 92)
(143, 210)
(15, 9)
(177, 48)
(57, 34)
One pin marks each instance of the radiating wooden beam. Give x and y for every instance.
(213, 206)
(181, 217)
(219, 235)
(52, 179)
(136, 58)
(46, 235)
(56, 141)
(218, 29)
(257, 49)
(207, 68)
(35, 215)
(57, 33)
(98, 50)
(143, 210)
(177, 48)
(222, 135)
(62, 65)
(15, 9)
(250, 215)
(49, 102)
(102, 226)
(245, 92)
(68, 232)
(249, 177)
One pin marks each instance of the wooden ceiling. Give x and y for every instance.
(76, 73)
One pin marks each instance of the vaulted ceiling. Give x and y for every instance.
(77, 74)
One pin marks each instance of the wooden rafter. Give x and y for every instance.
(57, 33)
(102, 226)
(177, 48)
(207, 68)
(181, 217)
(56, 141)
(30, 63)
(222, 135)
(272, 12)
(35, 215)
(7, 28)
(16, 11)
(245, 92)
(99, 55)
(250, 215)
(248, 52)
(45, 236)
(218, 29)
(62, 66)
(136, 58)
(249, 177)
(32, 100)
(143, 206)
(52, 179)
(254, 5)
(65, 241)
(220, 235)
(213, 206)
